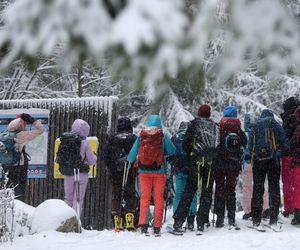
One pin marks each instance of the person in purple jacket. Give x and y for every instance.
(81, 128)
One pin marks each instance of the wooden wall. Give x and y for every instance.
(101, 113)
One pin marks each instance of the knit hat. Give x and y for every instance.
(204, 111)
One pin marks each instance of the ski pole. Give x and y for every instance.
(77, 193)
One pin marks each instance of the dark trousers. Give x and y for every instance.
(17, 178)
(129, 194)
(226, 179)
(197, 173)
(261, 169)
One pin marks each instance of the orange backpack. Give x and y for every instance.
(150, 154)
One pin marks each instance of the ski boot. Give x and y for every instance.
(144, 229)
(220, 222)
(190, 223)
(118, 223)
(296, 220)
(156, 231)
(129, 221)
(247, 216)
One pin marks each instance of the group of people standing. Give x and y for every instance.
(202, 153)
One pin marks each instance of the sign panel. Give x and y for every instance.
(93, 141)
(37, 148)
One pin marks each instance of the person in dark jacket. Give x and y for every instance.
(266, 140)
(200, 145)
(115, 158)
(289, 107)
(295, 153)
(232, 140)
(181, 168)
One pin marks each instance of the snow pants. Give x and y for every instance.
(226, 180)
(247, 177)
(17, 177)
(287, 184)
(181, 180)
(129, 194)
(157, 182)
(198, 175)
(261, 169)
(70, 190)
(297, 187)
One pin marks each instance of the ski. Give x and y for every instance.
(275, 228)
(198, 233)
(157, 235)
(235, 227)
(259, 228)
(170, 230)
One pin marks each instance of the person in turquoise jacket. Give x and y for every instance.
(153, 175)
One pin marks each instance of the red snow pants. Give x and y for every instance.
(297, 187)
(157, 182)
(287, 184)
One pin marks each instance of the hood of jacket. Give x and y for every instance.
(291, 104)
(154, 121)
(266, 113)
(124, 125)
(81, 127)
(249, 120)
(230, 111)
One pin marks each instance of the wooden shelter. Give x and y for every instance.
(101, 113)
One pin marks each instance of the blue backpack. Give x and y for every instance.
(9, 155)
(264, 141)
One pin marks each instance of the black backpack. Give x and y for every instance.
(68, 154)
(121, 145)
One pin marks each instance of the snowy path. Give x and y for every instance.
(244, 239)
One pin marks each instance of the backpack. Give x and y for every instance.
(231, 141)
(150, 153)
(121, 145)
(9, 154)
(264, 141)
(204, 141)
(180, 156)
(68, 154)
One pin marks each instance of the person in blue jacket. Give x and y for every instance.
(267, 140)
(149, 152)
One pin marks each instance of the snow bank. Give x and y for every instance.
(49, 215)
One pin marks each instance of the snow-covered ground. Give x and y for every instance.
(244, 239)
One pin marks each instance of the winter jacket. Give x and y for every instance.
(24, 136)
(281, 141)
(295, 140)
(289, 107)
(82, 128)
(179, 159)
(123, 139)
(249, 122)
(168, 146)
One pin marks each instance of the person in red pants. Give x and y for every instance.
(295, 151)
(289, 107)
(149, 152)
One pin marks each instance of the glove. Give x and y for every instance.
(27, 118)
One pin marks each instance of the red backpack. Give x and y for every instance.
(231, 138)
(150, 154)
